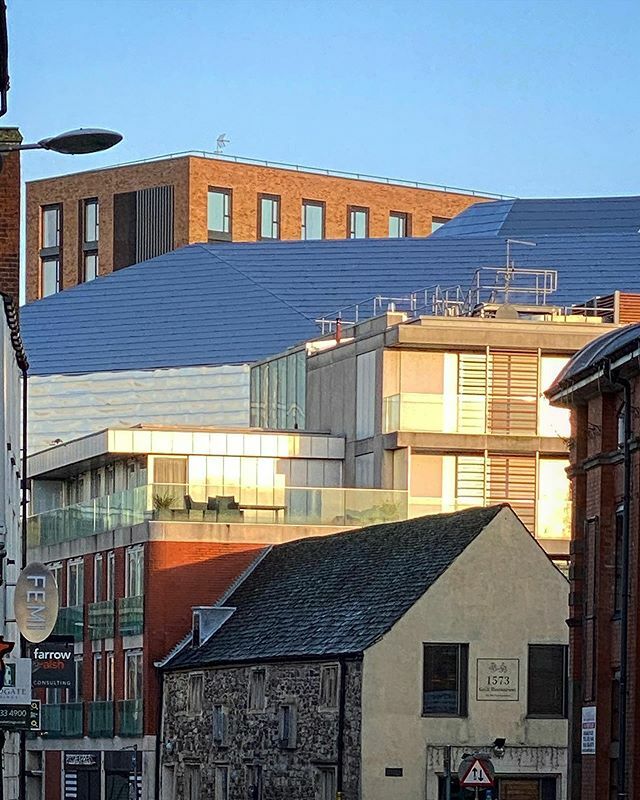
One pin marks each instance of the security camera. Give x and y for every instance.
(499, 747)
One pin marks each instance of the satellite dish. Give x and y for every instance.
(507, 311)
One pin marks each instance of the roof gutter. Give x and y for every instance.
(603, 371)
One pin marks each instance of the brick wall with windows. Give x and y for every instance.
(10, 217)
(238, 209)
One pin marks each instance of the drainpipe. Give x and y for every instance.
(22, 762)
(624, 610)
(159, 733)
(341, 707)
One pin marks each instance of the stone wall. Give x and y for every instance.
(253, 737)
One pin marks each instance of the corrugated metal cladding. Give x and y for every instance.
(628, 308)
(154, 222)
(68, 406)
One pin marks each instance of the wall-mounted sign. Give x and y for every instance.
(52, 664)
(498, 679)
(20, 717)
(588, 747)
(17, 682)
(81, 759)
(36, 602)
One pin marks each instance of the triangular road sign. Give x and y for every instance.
(476, 775)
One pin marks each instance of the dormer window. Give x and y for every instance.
(195, 629)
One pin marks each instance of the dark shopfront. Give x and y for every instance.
(85, 771)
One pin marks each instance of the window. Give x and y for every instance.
(617, 589)
(219, 215)
(312, 219)
(329, 686)
(399, 225)
(135, 571)
(445, 684)
(97, 578)
(171, 474)
(192, 782)
(220, 782)
(109, 676)
(547, 680)
(142, 225)
(132, 675)
(98, 676)
(254, 781)
(90, 235)
(365, 394)
(75, 583)
(358, 222)
(268, 216)
(111, 576)
(50, 249)
(96, 483)
(256, 690)
(56, 571)
(287, 725)
(438, 222)
(220, 725)
(326, 783)
(196, 693)
(75, 695)
(620, 428)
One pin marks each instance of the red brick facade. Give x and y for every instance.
(191, 178)
(10, 216)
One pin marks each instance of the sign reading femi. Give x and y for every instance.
(36, 602)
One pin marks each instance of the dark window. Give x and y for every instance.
(617, 586)
(445, 680)
(329, 686)
(256, 690)
(50, 249)
(312, 219)
(254, 781)
(438, 222)
(268, 216)
(125, 217)
(358, 222)
(90, 235)
(547, 681)
(287, 726)
(399, 225)
(219, 214)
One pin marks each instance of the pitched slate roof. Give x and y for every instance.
(209, 304)
(336, 594)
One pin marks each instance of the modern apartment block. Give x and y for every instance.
(139, 525)
(447, 408)
(91, 223)
(601, 386)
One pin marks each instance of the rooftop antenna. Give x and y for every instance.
(221, 143)
(510, 266)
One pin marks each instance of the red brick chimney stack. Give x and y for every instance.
(10, 216)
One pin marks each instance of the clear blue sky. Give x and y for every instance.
(525, 98)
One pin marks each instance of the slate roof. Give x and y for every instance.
(209, 304)
(337, 594)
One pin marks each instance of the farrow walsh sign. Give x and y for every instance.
(36, 602)
(52, 664)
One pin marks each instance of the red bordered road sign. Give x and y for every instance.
(478, 774)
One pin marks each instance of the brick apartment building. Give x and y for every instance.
(95, 222)
(602, 386)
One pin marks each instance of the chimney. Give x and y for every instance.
(10, 217)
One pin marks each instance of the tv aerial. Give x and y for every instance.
(221, 143)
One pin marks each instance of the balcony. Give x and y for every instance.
(101, 619)
(70, 622)
(101, 719)
(130, 615)
(130, 717)
(62, 721)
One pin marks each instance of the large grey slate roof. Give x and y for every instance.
(336, 594)
(236, 303)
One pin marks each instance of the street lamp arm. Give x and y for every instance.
(77, 142)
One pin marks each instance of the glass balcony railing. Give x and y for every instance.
(70, 622)
(130, 615)
(101, 719)
(62, 721)
(130, 717)
(101, 619)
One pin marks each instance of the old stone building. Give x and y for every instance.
(357, 663)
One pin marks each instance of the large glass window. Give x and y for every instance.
(445, 684)
(358, 222)
(75, 583)
(312, 219)
(268, 216)
(135, 571)
(398, 225)
(51, 219)
(50, 249)
(49, 276)
(133, 675)
(547, 680)
(219, 214)
(278, 393)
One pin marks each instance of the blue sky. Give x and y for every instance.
(525, 98)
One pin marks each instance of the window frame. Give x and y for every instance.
(326, 772)
(438, 222)
(219, 724)
(332, 705)
(287, 726)
(98, 577)
(195, 694)
(134, 554)
(405, 216)
(251, 699)
(462, 679)
(98, 676)
(277, 199)
(109, 676)
(218, 793)
(352, 211)
(307, 203)
(227, 215)
(565, 655)
(89, 247)
(51, 253)
(129, 655)
(79, 582)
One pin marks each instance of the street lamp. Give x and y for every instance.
(78, 142)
